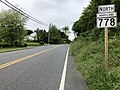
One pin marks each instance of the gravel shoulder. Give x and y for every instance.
(74, 79)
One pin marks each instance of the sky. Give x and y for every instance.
(59, 12)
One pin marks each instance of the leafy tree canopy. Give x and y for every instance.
(57, 36)
(12, 26)
(87, 22)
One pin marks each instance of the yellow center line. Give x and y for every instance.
(23, 58)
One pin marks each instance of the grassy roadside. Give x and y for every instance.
(9, 49)
(29, 44)
(89, 57)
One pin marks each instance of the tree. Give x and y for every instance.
(86, 25)
(64, 37)
(0, 35)
(12, 26)
(29, 32)
(66, 30)
(117, 4)
(41, 35)
(55, 37)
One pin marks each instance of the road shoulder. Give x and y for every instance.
(3, 50)
(74, 79)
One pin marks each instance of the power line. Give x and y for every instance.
(23, 9)
(23, 13)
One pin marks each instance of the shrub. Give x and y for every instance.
(4, 45)
(25, 45)
(33, 44)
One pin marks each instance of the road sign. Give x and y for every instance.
(106, 8)
(104, 15)
(106, 20)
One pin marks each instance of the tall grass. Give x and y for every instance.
(89, 57)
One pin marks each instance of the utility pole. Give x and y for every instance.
(49, 35)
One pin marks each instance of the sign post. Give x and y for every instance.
(106, 18)
(106, 48)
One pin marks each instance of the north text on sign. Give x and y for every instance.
(106, 8)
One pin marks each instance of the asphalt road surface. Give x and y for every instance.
(40, 68)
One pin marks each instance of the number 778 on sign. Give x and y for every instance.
(106, 20)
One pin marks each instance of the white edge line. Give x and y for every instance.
(62, 83)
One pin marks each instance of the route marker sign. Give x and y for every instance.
(106, 18)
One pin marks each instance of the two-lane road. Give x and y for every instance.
(39, 68)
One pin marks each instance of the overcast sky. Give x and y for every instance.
(59, 12)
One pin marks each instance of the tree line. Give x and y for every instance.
(53, 36)
(86, 25)
(14, 33)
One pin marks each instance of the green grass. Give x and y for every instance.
(9, 49)
(18, 48)
(89, 57)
